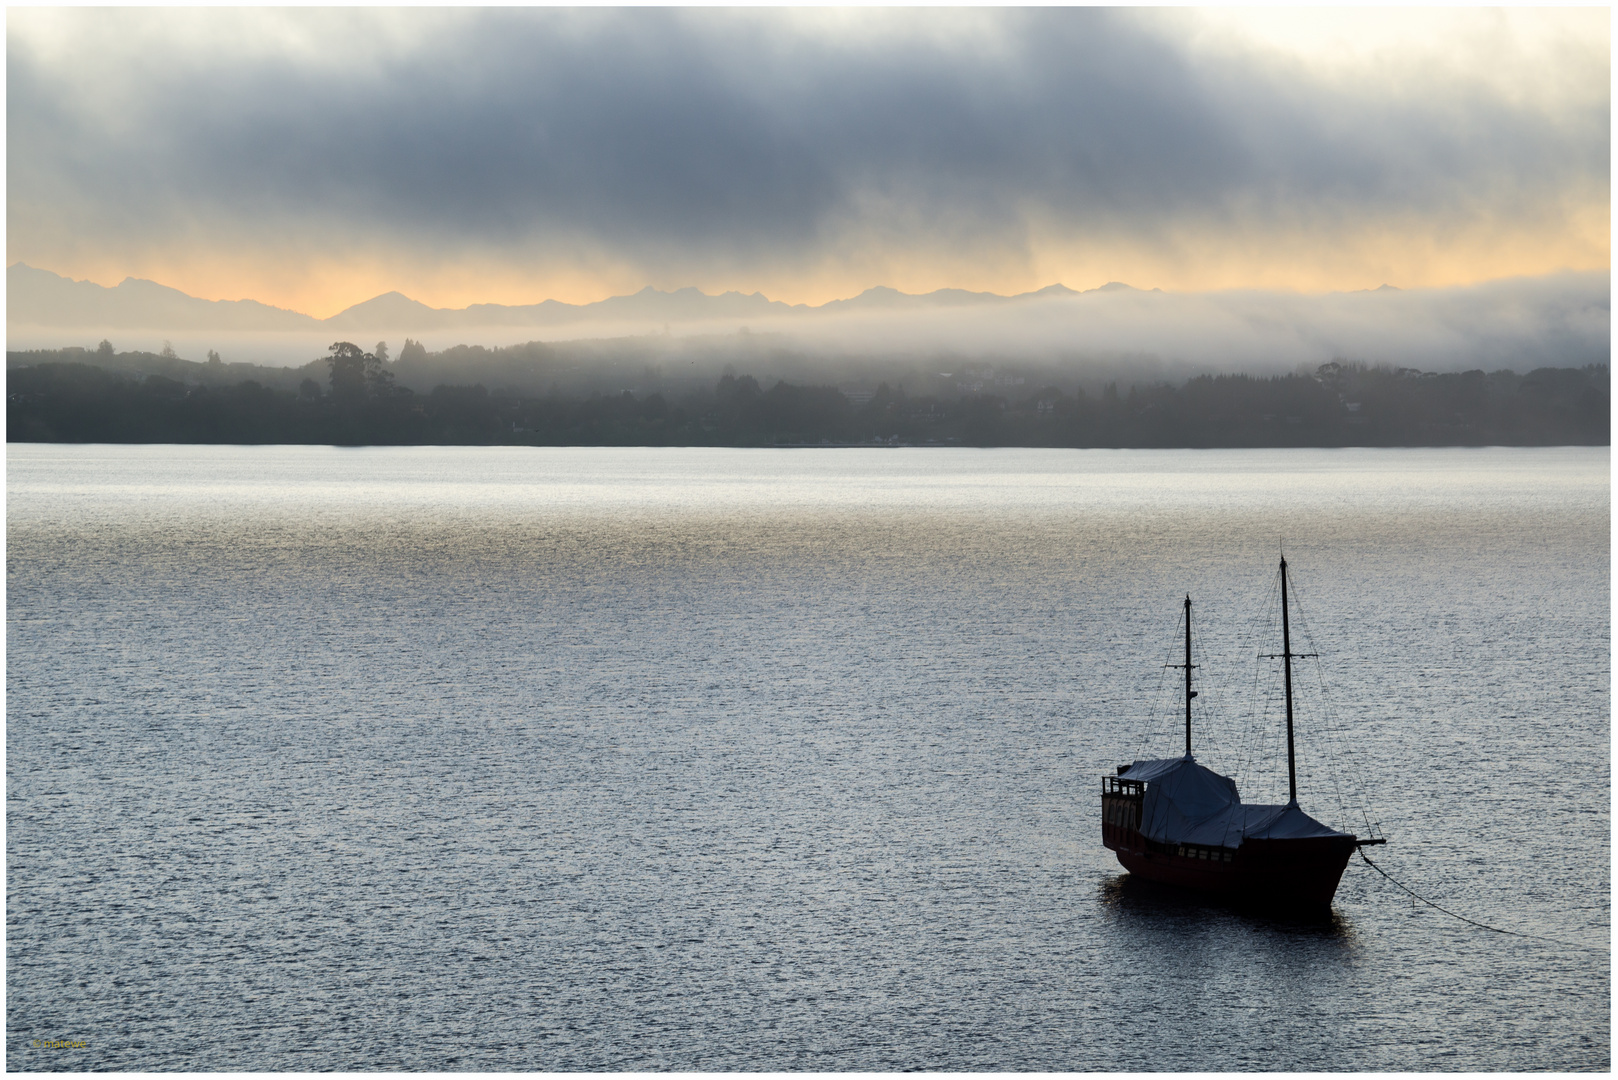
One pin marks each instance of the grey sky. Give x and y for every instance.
(755, 148)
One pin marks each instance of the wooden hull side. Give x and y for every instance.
(1293, 873)
(1271, 874)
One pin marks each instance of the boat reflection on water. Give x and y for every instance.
(1146, 904)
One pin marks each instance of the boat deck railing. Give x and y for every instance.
(1117, 785)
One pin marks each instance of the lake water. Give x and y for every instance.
(473, 758)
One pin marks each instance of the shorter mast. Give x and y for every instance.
(1188, 665)
(1189, 693)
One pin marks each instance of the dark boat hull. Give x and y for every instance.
(1297, 875)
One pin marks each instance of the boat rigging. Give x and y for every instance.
(1176, 821)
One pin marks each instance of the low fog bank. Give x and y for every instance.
(932, 343)
(1561, 321)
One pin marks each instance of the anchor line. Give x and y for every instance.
(1473, 922)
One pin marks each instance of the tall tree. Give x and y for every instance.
(357, 374)
(348, 370)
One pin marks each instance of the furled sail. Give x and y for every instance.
(1187, 803)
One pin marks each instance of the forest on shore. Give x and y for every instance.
(67, 396)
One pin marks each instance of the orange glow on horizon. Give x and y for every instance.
(1409, 254)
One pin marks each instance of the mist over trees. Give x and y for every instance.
(105, 396)
(1110, 333)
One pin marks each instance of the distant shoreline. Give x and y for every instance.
(1340, 405)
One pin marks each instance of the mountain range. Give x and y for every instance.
(40, 298)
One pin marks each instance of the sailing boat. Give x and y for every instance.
(1178, 822)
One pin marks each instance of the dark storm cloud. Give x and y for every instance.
(657, 134)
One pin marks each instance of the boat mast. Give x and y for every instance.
(1286, 654)
(1189, 693)
(1188, 665)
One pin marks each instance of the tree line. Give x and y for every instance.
(360, 403)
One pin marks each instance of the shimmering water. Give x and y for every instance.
(711, 759)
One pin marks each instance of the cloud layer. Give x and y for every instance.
(510, 154)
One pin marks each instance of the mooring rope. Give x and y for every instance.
(1473, 922)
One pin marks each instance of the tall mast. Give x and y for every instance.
(1189, 693)
(1286, 653)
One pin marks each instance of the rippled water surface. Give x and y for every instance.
(713, 759)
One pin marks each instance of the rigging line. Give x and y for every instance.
(1270, 768)
(1343, 763)
(1337, 761)
(1213, 718)
(1155, 708)
(1272, 734)
(1148, 728)
(1266, 735)
(1244, 728)
(1473, 922)
(1262, 733)
(1209, 737)
(1253, 742)
(1171, 706)
(1340, 760)
(1168, 714)
(1225, 701)
(1262, 739)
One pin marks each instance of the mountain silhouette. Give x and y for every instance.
(390, 311)
(40, 298)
